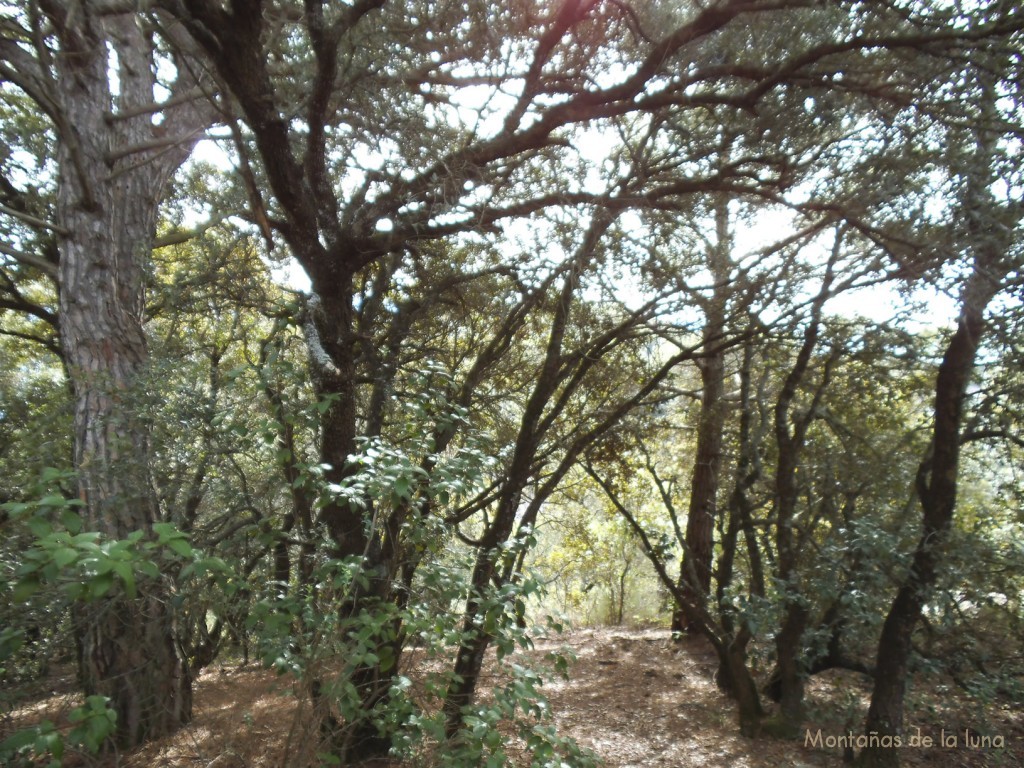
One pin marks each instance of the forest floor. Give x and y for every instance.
(634, 698)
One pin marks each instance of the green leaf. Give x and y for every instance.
(52, 743)
(213, 565)
(102, 564)
(64, 556)
(40, 527)
(387, 658)
(100, 585)
(127, 576)
(180, 547)
(71, 520)
(11, 640)
(52, 474)
(24, 589)
(16, 508)
(166, 531)
(21, 739)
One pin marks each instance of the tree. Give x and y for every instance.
(429, 169)
(702, 511)
(28, 291)
(400, 180)
(568, 375)
(112, 166)
(987, 241)
(387, 146)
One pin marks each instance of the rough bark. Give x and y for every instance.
(695, 578)
(106, 211)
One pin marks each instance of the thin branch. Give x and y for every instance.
(19, 67)
(33, 221)
(156, 144)
(195, 95)
(49, 268)
(991, 434)
(49, 343)
(184, 235)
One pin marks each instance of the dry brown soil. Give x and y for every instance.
(635, 698)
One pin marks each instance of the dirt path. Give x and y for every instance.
(640, 701)
(634, 697)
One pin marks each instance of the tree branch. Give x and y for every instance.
(29, 260)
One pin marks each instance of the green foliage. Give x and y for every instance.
(93, 723)
(301, 634)
(597, 571)
(61, 566)
(31, 745)
(415, 183)
(82, 565)
(325, 631)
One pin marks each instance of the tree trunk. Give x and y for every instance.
(790, 439)
(330, 329)
(937, 489)
(988, 232)
(695, 576)
(789, 642)
(695, 579)
(742, 687)
(475, 636)
(791, 670)
(107, 211)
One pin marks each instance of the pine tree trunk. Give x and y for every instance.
(106, 209)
